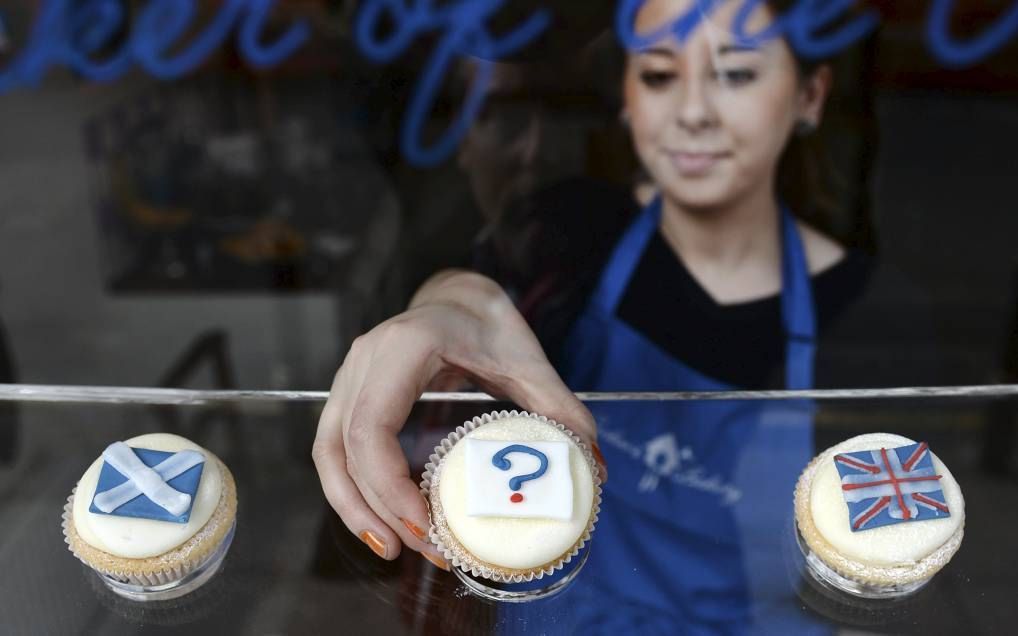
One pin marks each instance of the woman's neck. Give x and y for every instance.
(734, 253)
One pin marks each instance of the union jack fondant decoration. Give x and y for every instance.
(890, 485)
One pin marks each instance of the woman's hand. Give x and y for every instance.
(459, 324)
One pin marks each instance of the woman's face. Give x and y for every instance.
(710, 118)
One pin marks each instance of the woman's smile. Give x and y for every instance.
(695, 163)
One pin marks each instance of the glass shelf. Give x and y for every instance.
(294, 568)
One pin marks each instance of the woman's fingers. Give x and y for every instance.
(542, 391)
(362, 510)
(399, 370)
(329, 453)
(342, 493)
(515, 366)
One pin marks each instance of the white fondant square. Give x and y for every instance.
(549, 496)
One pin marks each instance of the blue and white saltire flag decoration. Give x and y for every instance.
(147, 484)
(887, 486)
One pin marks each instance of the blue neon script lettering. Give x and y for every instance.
(954, 53)
(77, 34)
(680, 28)
(464, 33)
(809, 16)
(71, 33)
(802, 25)
(799, 25)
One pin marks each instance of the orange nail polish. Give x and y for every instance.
(412, 527)
(600, 460)
(374, 542)
(437, 561)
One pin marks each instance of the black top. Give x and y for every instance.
(548, 252)
(740, 344)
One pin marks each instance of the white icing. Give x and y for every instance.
(900, 544)
(142, 538)
(549, 496)
(148, 481)
(508, 542)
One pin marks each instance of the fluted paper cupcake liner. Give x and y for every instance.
(864, 573)
(450, 547)
(162, 569)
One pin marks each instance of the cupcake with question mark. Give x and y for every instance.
(514, 496)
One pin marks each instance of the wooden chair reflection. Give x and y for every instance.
(212, 348)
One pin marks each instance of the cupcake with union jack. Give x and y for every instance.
(878, 515)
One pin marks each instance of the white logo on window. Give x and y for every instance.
(665, 459)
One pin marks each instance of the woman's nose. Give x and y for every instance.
(696, 107)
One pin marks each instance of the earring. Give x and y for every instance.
(804, 128)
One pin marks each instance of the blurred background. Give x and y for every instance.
(236, 228)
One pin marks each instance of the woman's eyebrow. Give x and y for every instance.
(737, 48)
(658, 51)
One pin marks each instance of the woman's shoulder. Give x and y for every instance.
(878, 327)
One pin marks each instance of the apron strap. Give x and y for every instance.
(798, 314)
(625, 257)
(797, 309)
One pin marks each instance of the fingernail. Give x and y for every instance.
(412, 527)
(594, 448)
(437, 561)
(374, 542)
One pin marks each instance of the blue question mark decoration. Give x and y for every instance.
(500, 462)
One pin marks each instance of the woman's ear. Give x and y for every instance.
(813, 96)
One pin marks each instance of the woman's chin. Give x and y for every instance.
(698, 195)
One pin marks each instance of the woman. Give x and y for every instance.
(710, 119)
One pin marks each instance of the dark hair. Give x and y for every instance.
(828, 192)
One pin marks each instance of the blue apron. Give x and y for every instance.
(700, 495)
